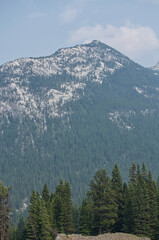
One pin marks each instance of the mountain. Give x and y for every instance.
(156, 67)
(67, 115)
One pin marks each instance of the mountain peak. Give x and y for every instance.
(95, 42)
(94, 61)
(156, 67)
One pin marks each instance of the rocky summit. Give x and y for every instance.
(81, 64)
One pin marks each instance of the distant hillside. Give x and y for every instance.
(72, 113)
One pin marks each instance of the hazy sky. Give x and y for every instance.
(33, 28)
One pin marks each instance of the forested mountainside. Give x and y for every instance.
(69, 114)
(110, 206)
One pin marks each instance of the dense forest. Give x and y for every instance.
(109, 206)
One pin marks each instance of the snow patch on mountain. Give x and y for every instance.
(121, 118)
(139, 90)
(148, 112)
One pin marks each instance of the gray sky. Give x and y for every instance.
(33, 28)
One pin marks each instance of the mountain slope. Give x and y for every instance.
(67, 115)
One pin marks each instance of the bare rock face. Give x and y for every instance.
(107, 236)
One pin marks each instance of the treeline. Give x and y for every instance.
(109, 206)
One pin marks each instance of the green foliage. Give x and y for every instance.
(118, 190)
(32, 225)
(4, 212)
(140, 203)
(20, 232)
(108, 206)
(86, 218)
(76, 217)
(103, 206)
(66, 214)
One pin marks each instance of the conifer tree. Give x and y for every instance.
(153, 210)
(86, 218)
(124, 210)
(56, 211)
(21, 229)
(133, 174)
(62, 217)
(66, 214)
(144, 172)
(45, 194)
(76, 216)
(32, 225)
(117, 187)
(46, 197)
(103, 202)
(157, 229)
(57, 208)
(140, 210)
(127, 212)
(45, 232)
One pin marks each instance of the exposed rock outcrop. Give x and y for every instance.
(107, 236)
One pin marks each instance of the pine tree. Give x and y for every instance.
(144, 172)
(86, 218)
(127, 212)
(47, 198)
(104, 207)
(117, 187)
(21, 229)
(45, 232)
(141, 208)
(157, 228)
(153, 210)
(56, 211)
(133, 174)
(32, 225)
(66, 214)
(76, 216)
(45, 194)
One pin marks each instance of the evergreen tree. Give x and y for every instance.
(56, 211)
(104, 207)
(140, 210)
(21, 229)
(127, 212)
(45, 194)
(45, 232)
(66, 214)
(32, 225)
(85, 218)
(157, 228)
(117, 187)
(133, 174)
(76, 216)
(144, 172)
(62, 218)
(47, 198)
(153, 210)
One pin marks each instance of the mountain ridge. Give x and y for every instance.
(70, 114)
